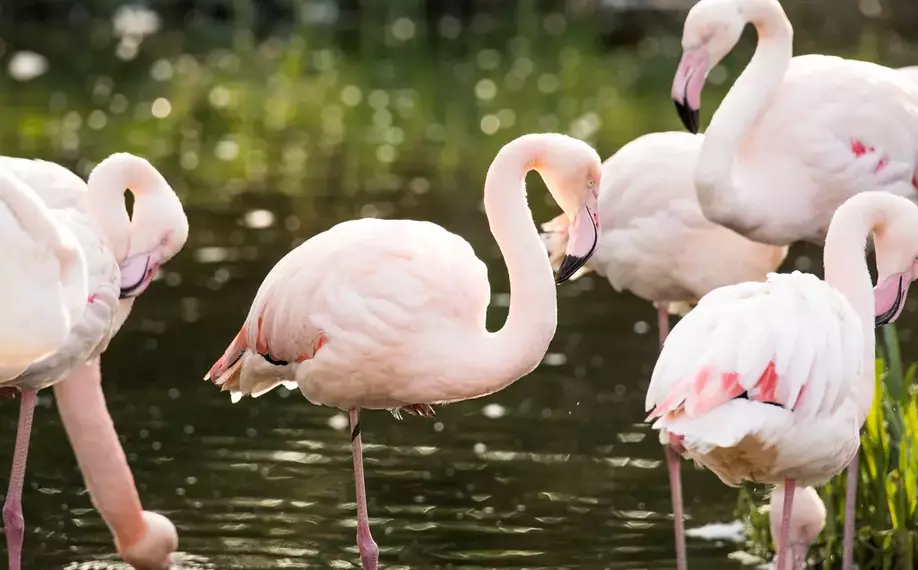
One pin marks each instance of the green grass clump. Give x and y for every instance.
(887, 496)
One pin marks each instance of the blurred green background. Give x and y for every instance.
(273, 120)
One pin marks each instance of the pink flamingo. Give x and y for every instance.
(766, 381)
(368, 314)
(657, 244)
(807, 520)
(44, 286)
(122, 255)
(795, 136)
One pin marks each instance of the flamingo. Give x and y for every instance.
(807, 520)
(657, 244)
(44, 287)
(795, 136)
(370, 313)
(766, 381)
(122, 255)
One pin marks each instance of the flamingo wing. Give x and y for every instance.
(793, 342)
(56, 185)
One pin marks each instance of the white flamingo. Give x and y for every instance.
(656, 243)
(766, 381)
(390, 314)
(807, 520)
(122, 255)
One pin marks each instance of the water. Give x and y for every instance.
(558, 471)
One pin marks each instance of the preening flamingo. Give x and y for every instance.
(808, 518)
(767, 382)
(371, 314)
(795, 136)
(43, 289)
(122, 255)
(656, 243)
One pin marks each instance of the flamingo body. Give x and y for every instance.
(758, 383)
(351, 332)
(655, 240)
(807, 521)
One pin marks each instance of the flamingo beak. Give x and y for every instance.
(583, 237)
(889, 297)
(687, 86)
(137, 272)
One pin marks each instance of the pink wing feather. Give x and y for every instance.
(792, 341)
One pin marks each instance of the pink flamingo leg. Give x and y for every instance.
(13, 523)
(369, 552)
(662, 323)
(850, 498)
(675, 486)
(789, 485)
(672, 462)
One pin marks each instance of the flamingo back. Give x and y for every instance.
(368, 308)
(750, 366)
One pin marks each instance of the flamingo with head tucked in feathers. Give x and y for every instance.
(808, 518)
(766, 382)
(122, 255)
(390, 314)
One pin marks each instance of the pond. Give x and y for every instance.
(271, 137)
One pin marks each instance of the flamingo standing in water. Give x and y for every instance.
(370, 314)
(766, 381)
(122, 255)
(808, 518)
(657, 244)
(43, 290)
(794, 138)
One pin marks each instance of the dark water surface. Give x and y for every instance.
(272, 140)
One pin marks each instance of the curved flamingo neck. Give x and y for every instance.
(107, 184)
(846, 270)
(718, 192)
(519, 346)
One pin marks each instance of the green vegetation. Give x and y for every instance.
(887, 496)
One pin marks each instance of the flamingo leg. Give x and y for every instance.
(675, 486)
(369, 552)
(662, 322)
(13, 523)
(789, 485)
(850, 498)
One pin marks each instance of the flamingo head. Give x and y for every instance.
(572, 172)
(154, 550)
(808, 518)
(155, 232)
(896, 246)
(711, 29)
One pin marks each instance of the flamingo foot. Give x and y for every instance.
(675, 485)
(13, 522)
(421, 410)
(789, 490)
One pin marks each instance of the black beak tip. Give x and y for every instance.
(689, 116)
(569, 265)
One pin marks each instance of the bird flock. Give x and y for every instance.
(766, 377)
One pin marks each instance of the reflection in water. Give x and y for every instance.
(275, 139)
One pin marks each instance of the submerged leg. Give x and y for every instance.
(675, 486)
(369, 552)
(662, 322)
(850, 498)
(789, 491)
(13, 523)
